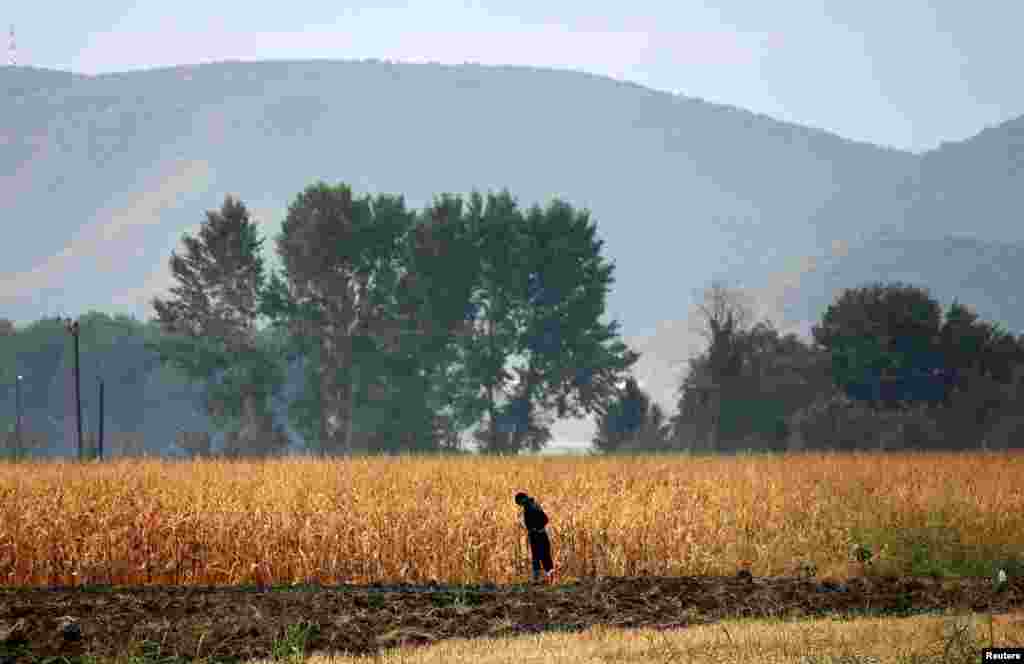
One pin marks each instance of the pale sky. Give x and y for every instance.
(907, 74)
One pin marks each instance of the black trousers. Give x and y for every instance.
(540, 549)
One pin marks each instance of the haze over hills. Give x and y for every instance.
(101, 175)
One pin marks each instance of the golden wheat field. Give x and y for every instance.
(453, 520)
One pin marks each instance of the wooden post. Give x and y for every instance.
(99, 445)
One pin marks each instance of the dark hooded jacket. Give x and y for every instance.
(534, 516)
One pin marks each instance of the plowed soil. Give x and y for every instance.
(243, 623)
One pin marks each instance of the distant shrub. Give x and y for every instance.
(241, 444)
(124, 443)
(1006, 432)
(194, 443)
(840, 423)
(31, 442)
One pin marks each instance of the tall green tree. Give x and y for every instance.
(891, 348)
(880, 337)
(982, 363)
(776, 376)
(496, 303)
(579, 359)
(712, 386)
(521, 423)
(339, 257)
(539, 343)
(442, 319)
(967, 342)
(418, 328)
(210, 323)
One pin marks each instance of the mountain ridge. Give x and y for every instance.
(1018, 120)
(718, 106)
(683, 190)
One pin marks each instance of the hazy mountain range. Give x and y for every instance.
(100, 176)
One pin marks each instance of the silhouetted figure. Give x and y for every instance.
(540, 544)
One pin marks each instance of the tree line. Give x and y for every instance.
(408, 328)
(885, 367)
(141, 395)
(411, 326)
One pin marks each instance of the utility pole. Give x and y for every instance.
(17, 418)
(73, 329)
(99, 443)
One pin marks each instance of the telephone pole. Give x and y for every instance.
(99, 442)
(17, 417)
(72, 328)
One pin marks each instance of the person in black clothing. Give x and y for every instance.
(540, 544)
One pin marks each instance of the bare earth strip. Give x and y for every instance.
(244, 623)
